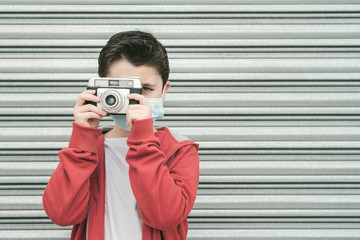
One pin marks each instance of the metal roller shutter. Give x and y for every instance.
(270, 90)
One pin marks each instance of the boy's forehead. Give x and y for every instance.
(151, 79)
(123, 69)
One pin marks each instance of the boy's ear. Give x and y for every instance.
(166, 88)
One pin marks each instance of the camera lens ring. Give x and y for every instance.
(110, 100)
(117, 105)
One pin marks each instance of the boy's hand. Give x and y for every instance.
(137, 111)
(88, 115)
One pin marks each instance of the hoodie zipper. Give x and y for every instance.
(167, 164)
(152, 234)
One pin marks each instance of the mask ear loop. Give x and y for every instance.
(166, 87)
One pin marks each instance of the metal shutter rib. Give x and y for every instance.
(270, 90)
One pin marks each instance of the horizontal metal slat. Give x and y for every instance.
(250, 189)
(35, 234)
(211, 53)
(236, 88)
(279, 113)
(295, 214)
(299, 179)
(228, 234)
(178, 18)
(208, 8)
(335, 31)
(250, 78)
(43, 224)
(266, 225)
(178, 2)
(219, 147)
(203, 134)
(183, 42)
(276, 234)
(205, 225)
(27, 168)
(208, 158)
(38, 180)
(278, 202)
(178, 121)
(28, 182)
(216, 168)
(247, 158)
(191, 65)
(226, 202)
(220, 189)
(279, 168)
(203, 100)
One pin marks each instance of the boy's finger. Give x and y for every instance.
(92, 108)
(142, 100)
(136, 106)
(129, 120)
(91, 115)
(87, 95)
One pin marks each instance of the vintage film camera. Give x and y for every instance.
(113, 91)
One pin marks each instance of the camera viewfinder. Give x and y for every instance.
(113, 83)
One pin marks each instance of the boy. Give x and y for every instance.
(135, 181)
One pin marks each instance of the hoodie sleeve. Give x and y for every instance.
(66, 196)
(165, 195)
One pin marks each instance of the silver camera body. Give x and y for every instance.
(112, 93)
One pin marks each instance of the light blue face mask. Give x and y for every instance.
(157, 109)
(121, 121)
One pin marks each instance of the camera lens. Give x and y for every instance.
(110, 100)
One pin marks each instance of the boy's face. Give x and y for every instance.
(150, 79)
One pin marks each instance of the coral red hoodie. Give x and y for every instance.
(164, 193)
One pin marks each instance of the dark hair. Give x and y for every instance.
(138, 48)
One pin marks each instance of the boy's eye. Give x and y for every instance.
(147, 89)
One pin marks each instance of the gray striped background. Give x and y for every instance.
(270, 90)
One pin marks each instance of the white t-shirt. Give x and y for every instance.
(122, 216)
